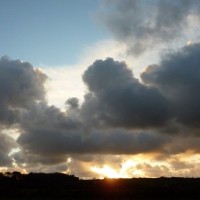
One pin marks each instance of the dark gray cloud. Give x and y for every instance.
(45, 132)
(116, 98)
(20, 87)
(49, 136)
(178, 78)
(97, 142)
(144, 24)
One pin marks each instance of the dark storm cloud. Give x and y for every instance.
(178, 78)
(116, 98)
(145, 24)
(20, 87)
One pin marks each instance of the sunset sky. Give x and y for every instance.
(100, 88)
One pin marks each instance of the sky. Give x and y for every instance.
(100, 88)
(49, 32)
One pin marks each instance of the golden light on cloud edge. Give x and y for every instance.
(128, 169)
(183, 164)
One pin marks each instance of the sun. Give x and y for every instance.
(106, 171)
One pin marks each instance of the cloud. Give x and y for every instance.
(72, 102)
(143, 25)
(50, 136)
(6, 145)
(116, 98)
(177, 78)
(120, 115)
(146, 126)
(111, 142)
(20, 87)
(181, 165)
(66, 81)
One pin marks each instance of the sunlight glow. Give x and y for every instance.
(189, 42)
(128, 169)
(106, 171)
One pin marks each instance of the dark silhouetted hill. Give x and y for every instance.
(61, 186)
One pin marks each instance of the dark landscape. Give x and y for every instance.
(61, 186)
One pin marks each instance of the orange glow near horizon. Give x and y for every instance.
(148, 166)
(128, 170)
(106, 171)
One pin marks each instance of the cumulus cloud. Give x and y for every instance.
(119, 115)
(116, 98)
(20, 87)
(177, 78)
(145, 25)
(99, 125)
